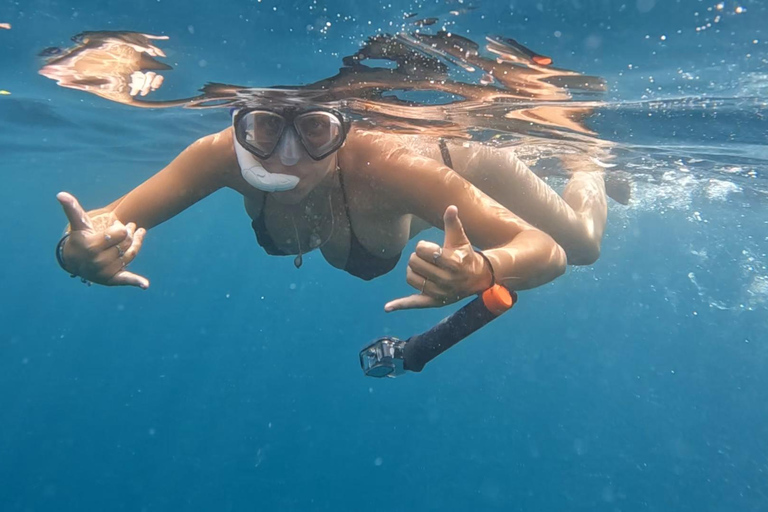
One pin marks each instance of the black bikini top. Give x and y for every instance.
(360, 261)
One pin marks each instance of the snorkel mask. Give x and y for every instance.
(261, 133)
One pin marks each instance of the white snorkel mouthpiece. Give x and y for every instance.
(257, 176)
(289, 148)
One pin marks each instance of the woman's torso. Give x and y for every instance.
(360, 229)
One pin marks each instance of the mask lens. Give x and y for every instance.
(261, 131)
(321, 132)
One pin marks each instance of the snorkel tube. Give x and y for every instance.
(390, 357)
(257, 176)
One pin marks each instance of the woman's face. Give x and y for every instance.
(289, 142)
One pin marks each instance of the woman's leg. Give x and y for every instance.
(576, 220)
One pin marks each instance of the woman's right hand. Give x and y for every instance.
(100, 254)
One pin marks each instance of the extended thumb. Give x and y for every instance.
(454, 231)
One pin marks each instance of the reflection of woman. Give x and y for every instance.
(312, 181)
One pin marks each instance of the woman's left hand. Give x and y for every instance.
(444, 275)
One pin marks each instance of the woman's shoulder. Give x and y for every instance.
(365, 141)
(217, 152)
(378, 149)
(380, 138)
(221, 141)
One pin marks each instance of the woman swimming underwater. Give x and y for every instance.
(312, 179)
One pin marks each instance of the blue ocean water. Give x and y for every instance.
(635, 384)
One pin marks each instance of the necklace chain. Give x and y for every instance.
(315, 242)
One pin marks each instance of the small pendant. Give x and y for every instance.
(297, 261)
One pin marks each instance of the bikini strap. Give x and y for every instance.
(446, 154)
(344, 196)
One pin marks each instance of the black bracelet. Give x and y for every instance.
(60, 252)
(490, 267)
(60, 258)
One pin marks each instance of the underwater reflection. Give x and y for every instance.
(430, 84)
(116, 66)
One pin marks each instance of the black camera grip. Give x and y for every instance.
(422, 348)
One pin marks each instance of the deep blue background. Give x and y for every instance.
(638, 384)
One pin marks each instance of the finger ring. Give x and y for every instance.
(437, 254)
(107, 238)
(120, 252)
(423, 286)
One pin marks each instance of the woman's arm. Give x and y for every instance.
(202, 168)
(521, 255)
(99, 244)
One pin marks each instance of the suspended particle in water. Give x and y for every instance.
(645, 5)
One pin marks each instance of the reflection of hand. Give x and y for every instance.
(100, 254)
(119, 66)
(446, 274)
(142, 83)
